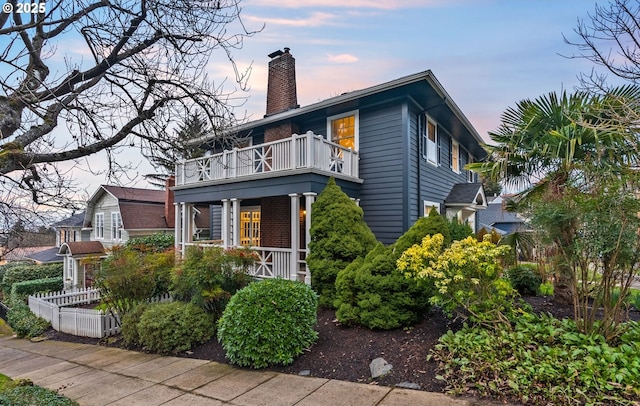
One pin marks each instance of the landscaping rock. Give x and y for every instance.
(379, 367)
(408, 385)
(305, 372)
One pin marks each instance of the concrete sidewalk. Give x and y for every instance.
(96, 375)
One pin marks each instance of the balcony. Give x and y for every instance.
(297, 154)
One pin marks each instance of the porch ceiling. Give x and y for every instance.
(254, 189)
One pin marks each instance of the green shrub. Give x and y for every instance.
(525, 279)
(209, 276)
(29, 395)
(546, 289)
(541, 360)
(338, 236)
(433, 224)
(129, 325)
(459, 231)
(29, 272)
(467, 277)
(158, 242)
(127, 277)
(373, 293)
(23, 322)
(174, 327)
(269, 322)
(37, 285)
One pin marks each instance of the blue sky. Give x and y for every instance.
(488, 54)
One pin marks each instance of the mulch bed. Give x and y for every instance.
(345, 353)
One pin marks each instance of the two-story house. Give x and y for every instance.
(114, 214)
(397, 148)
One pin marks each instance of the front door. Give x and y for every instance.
(250, 226)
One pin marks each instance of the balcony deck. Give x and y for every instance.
(299, 153)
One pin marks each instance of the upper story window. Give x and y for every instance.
(99, 226)
(343, 129)
(455, 156)
(116, 226)
(428, 132)
(470, 175)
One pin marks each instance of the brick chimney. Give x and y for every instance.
(281, 86)
(169, 211)
(281, 93)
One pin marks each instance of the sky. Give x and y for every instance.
(487, 54)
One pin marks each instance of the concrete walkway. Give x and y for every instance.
(96, 375)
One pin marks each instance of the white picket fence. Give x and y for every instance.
(76, 321)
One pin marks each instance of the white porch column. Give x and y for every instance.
(226, 224)
(177, 229)
(184, 226)
(76, 278)
(309, 198)
(295, 235)
(236, 222)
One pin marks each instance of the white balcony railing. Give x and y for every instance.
(306, 151)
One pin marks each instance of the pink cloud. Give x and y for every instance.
(342, 58)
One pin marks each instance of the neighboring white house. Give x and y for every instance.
(115, 214)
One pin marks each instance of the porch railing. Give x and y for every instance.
(306, 151)
(272, 262)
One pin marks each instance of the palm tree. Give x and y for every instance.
(544, 147)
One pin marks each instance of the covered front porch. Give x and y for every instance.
(281, 243)
(272, 216)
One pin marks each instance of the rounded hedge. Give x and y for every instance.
(525, 279)
(269, 322)
(174, 327)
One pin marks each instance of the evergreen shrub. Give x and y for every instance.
(23, 322)
(269, 323)
(29, 272)
(459, 231)
(174, 327)
(37, 285)
(372, 292)
(339, 235)
(525, 279)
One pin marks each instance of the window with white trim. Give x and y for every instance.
(342, 129)
(99, 226)
(470, 174)
(430, 205)
(428, 131)
(116, 226)
(455, 156)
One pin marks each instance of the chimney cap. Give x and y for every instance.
(277, 53)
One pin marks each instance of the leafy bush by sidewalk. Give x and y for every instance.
(24, 393)
(541, 361)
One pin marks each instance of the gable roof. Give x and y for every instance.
(74, 221)
(43, 255)
(81, 248)
(466, 194)
(135, 194)
(46, 256)
(142, 216)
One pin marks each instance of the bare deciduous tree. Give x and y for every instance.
(610, 38)
(83, 76)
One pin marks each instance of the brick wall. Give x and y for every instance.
(275, 222)
(281, 86)
(280, 131)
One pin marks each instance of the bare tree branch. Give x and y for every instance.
(146, 67)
